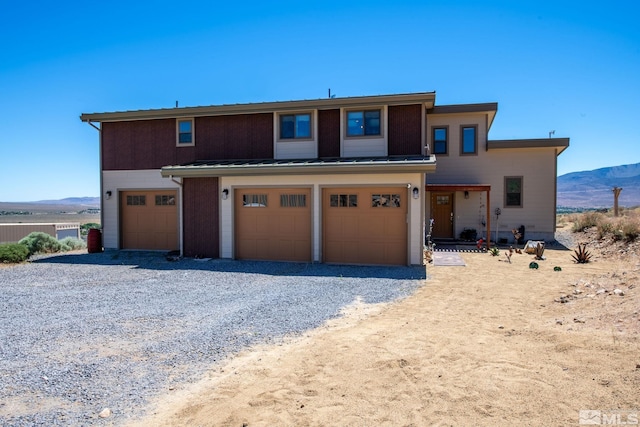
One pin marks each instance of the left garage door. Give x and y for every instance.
(149, 220)
(273, 224)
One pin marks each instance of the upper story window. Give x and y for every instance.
(185, 132)
(363, 123)
(295, 126)
(469, 139)
(440, 140)
(513, 191)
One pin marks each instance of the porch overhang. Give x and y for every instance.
(221, 168)
(467, 187)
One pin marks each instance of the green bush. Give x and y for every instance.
(72, 244)
(13, 253)
(84, 228)
(39, 242)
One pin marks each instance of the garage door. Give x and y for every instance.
(149, 220)
(365, 225)
(273, 224)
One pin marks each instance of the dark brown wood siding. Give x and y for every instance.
(243, 136)
(151, 144)
(201, 217)
(143, 144)
(405, 130)
(329, 133)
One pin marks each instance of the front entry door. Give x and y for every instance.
(442, 214)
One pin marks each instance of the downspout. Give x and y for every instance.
(101, 180)
(180, 222)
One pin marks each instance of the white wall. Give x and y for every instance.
(316, 183)
(116, 181)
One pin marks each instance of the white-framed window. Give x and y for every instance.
(294, 126)
(185, 132)
(362, 123)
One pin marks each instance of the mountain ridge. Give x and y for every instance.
(593, 189)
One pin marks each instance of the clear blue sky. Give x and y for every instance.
(572, 67)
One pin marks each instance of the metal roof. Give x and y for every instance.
(388, 164)
(427, 98)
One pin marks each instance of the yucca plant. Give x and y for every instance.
(582, 256)
(494, 251)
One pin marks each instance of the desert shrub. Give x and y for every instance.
(587, 220)
(71, 244)
(630, 230)
(39, 242)
(13, 253)
(604, 228)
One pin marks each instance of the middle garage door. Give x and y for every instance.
(365, 225)
(273, 224)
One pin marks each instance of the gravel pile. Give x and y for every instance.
(84, 332)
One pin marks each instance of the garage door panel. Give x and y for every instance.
(275, 232)
(147, 223)
(371, 231)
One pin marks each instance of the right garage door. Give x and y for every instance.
(365, 225)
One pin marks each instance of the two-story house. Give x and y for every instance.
(336, 180)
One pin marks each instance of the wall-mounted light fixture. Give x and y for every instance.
(225, 194)
(108, 194)
(466, 194)
(416, 192)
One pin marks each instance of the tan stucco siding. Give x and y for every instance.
(537, 166)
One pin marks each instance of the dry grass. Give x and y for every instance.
(625, 227)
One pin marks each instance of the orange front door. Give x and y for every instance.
(442, 214)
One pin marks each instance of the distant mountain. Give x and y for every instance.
(593, 189)
(86, 201)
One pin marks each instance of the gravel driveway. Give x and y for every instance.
(83, 332)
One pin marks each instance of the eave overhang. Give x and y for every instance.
(560, 144)
(425, 98)
(378, 165)
(488, 108)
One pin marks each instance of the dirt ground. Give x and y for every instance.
(490, 343)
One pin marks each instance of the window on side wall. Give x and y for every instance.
(469, 140)
(440, 140)
(295, 126)
(513, 191)
(185, 135)
(364, 123)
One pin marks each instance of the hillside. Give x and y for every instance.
(72, 209)
(592, 189)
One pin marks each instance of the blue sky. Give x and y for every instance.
(572, 67)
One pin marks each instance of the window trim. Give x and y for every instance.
(379, 109)
(433, 140)
(279, 137)
(193, 132)
(475, 140)
(521, 178)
